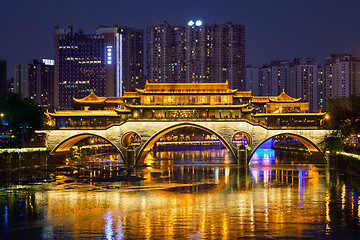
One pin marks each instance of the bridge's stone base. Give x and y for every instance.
(151, 131)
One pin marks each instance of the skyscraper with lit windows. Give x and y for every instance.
(35, 80)
(196, 53)
(107, 62)
(341, 75)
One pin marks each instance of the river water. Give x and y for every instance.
(186, 194)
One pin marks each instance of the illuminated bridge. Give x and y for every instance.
(134, 122)
(149, 132)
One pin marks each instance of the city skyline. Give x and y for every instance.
(274, 30)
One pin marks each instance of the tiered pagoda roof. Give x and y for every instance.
(186, 88)
(284, 98)
(93, 99)
(193, 106)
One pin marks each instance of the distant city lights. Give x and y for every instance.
(48, 62)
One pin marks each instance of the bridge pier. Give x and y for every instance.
(57, 157)
(242, 156)
(130, 157)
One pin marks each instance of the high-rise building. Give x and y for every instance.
(320, 89)
(3, 77)
(35, 80)
(252, 80)
(106, 63)
(342, 75)
(304, 81)
(274, 78)
(196, 53)
(264, 80)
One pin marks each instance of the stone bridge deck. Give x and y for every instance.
(151, 131)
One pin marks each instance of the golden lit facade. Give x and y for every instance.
(187, 101)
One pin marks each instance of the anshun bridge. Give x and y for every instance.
(134, 122)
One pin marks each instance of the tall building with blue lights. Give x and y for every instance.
(196, 52)
(107, 62)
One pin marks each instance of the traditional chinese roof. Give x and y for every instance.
(82, 113)
(92, 98)
(283, 97)
(243, 94)
(186, 88)
(131, 95)
(122, 111)
(176, 107)
(289, 114)
(250, 110)
(260, 99)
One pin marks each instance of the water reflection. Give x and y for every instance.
(177, 200)
(266, 155)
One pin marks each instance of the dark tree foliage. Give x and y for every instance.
(21, 116)
(344, 115)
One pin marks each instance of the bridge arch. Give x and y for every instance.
(310, 145)
(148, 144)
(66, 144)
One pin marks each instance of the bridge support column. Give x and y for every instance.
(242, 156)
(130, 156)
(58, 158)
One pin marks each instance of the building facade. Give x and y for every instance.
(106, 63)
(196, 53)
(252, 80)
(274, 78)
(35, 80)
(304, 81)
(342, 75)
(187, 102)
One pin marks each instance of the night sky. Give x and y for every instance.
(275, 29)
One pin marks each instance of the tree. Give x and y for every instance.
(345, 115)
(21, 116)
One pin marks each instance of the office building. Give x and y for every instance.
(35, 80)
(197, 53)
(106, 63)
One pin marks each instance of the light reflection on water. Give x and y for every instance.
(179, 199)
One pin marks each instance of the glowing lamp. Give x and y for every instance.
(191, 23)
(198, 23)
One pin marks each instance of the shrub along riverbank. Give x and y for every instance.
(12, 158)
(345, 161)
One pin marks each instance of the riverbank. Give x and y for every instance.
(12, 158)
(346, 161)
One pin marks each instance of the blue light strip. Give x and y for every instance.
(108, 55)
